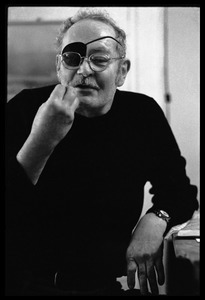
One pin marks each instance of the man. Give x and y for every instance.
(78, 157)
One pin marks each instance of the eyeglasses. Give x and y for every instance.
(97, 63)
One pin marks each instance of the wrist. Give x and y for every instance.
(33, 158)
(151, 225)
(162, 214)
(155, 221)
(42, 146)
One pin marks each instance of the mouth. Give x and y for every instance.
(86, 87)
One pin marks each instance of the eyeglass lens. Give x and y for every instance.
(72, 59)
(96, 62)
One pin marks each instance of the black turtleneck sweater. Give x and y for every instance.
(80, 214)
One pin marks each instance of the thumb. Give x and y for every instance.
(160, 271)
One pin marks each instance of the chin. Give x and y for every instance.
(89, 100)
(91, 107)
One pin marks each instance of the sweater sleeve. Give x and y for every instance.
(171, 187)
(20, 193)
(22, 201)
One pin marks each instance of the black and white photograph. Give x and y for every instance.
(102, 151)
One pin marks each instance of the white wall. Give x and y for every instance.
(184, 60)
(183, 66)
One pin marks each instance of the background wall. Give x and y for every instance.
(182, 59)
(184, 72)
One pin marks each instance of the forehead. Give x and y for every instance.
(87, 30)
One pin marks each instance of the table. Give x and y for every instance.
(183, 262)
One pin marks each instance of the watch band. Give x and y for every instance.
(162, 214)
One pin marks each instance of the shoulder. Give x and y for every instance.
(136, 102)
(34, 95)
(28, 101)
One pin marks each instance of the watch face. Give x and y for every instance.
(164, 213)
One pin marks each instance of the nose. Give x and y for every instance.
(85, 68)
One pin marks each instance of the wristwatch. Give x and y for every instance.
(162, 214)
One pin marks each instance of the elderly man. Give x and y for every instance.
(78, 157)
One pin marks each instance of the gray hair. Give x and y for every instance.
(94, 14)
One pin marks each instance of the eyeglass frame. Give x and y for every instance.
(88, 59)
(82, 58)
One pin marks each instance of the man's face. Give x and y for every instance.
(99, 98)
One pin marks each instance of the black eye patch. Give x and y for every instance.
(76, 47)
(81, 48)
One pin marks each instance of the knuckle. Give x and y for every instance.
(142, 273)
(147, 256)
(131, 267)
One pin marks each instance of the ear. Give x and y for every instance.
(123, 70)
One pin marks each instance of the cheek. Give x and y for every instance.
(65, 76)
(106, 81)
(108, 88)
